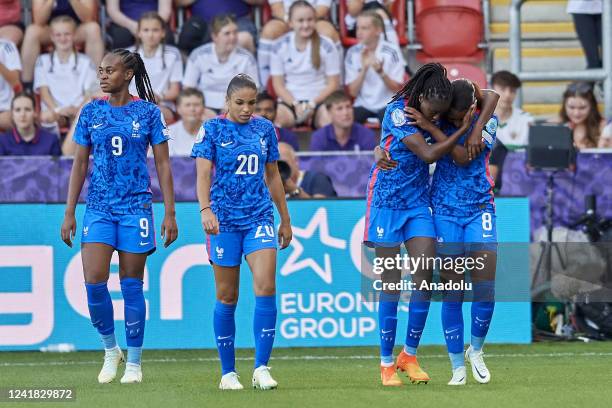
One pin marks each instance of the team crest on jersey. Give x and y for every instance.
(200, 135)
(85, 231)
(220, 252)
(398, 117)
(380, 231)
(135, 129)
(264, 146)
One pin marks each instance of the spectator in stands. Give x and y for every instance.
(306, 70)
(163, 62)
(374, 68)
(25, 138)
(266, 107)
(381, 7)
(280, 24)
(11, 27)
(211, 67)
(10, 67)
(195, 30)
(580, 112)
(190, 107)
(605, 142)
(514, 123)
(299, 183)
(587, 20)
(125, 14)
(342, 133)
(37, 34)
(64, 77)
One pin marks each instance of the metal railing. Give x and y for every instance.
(603, 74)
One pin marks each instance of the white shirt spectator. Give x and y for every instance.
(390, 32)
(515, 131)
(68, 82)
(374, 94)
(162, 70)
(301, 78)
(205, 72)
(181, 141)
(9, 57)
(584, 7)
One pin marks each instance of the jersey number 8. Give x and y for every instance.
(487, 222)
(117, 144)
(251, 162)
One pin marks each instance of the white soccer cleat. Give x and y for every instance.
(459, 376)
(230, 381)
(132, 375)
(262, 379)
(112, 359)
(480, 372)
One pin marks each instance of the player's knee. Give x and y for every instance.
(325, 29)
(265, 289)
(273, 29)
(92, 30)
(33, 34)
(228, 297)
(245, 40)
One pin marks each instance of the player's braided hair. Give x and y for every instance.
(133, 61)
(430, 81)
(238, 82)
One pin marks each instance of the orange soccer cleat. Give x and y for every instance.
(409, 364)
(389, 377)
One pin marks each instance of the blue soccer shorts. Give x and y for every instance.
(388, 227)
(227, 247)
(133, 233)
(458, 235)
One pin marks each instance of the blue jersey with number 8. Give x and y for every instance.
(119, 137)
(239, 196)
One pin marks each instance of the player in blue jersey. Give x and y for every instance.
(117, 131)
(464, 216)
(237, 216)
(398, 210)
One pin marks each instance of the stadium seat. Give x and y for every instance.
(463, 25)
(461, 70)
(398, 13)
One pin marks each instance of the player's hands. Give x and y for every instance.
(417, 118)
(377, 66)
(284, 235)
(68, 230)
(473, 143)
(383, 159)
(366, 59)
(210, 222)
(169, 230)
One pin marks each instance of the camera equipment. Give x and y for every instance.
(284, 169)
(550, 147)
(592, 225)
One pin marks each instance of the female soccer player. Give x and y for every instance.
(237, 215)
(118, 131)
(399, 209)
(464, 216)
(306, 70)
(212, 66)
(163, 62)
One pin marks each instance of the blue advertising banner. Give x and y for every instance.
(43, 301)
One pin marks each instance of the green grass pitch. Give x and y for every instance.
(540, 375)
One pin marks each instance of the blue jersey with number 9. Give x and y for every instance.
(239, 196)
(119, 137)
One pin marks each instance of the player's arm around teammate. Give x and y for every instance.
(237, 216)
(119, 214)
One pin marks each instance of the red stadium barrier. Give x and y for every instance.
(463, 25)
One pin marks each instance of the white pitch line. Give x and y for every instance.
(311, 358)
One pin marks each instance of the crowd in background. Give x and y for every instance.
(334, 96)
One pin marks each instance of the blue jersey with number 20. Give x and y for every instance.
(119, 137)
(239, 196)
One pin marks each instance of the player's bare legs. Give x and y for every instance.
(263, 266)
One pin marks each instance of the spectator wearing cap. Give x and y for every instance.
(25, 138)
(343, 133)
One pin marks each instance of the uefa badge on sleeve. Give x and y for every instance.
(398, 117)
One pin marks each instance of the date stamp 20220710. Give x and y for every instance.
(8, 394)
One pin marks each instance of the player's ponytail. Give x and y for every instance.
(465, 93)
(238, 82)
(430, 81)
(315, 39)
(133, 61)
